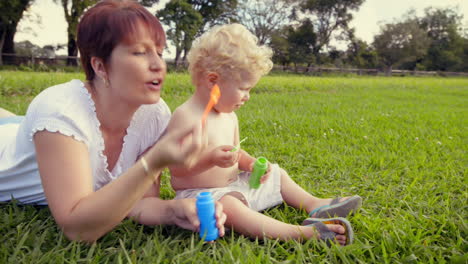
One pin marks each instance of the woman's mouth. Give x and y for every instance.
(154, 85)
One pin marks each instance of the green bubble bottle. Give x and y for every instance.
(259, 169)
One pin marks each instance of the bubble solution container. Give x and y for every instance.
(206, 215)
(259, 169)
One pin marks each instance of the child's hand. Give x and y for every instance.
(223, 157)
(265, 176)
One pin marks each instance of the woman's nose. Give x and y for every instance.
(156, 62)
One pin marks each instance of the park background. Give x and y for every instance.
(370, 35)
(398, 141)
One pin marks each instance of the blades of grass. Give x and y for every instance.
(20, 245)
(127, 256)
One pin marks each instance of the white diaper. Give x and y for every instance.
(266, 196)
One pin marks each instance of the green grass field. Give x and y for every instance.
(399, 142)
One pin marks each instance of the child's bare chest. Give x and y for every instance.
(221, 131)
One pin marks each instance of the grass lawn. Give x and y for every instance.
(399, 142)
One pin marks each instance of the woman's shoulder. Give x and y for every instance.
(60, 96)
(150, 122)
(66, 108)
(159, 111)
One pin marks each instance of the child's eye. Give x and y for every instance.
(139, 53)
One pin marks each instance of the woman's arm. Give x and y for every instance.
(210, 157)
(67, 180)
(182, 212)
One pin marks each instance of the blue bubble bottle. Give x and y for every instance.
(206, 215)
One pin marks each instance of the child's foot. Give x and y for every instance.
(333, 230)
(339, 206)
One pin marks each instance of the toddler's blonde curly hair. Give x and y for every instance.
(229, 50)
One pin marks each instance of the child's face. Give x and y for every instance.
(235, 91)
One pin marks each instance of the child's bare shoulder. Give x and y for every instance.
(183, 116)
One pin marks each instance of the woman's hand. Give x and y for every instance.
(185, 215)
(265, 176)
(223, 157)
(179, 147)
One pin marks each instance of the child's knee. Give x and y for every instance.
(233, 199)
(283, 172)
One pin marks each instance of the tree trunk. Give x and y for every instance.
(72, 51)
(9, 45)
(388, 70)
(184, 58)
(177, 57)
(2, 40)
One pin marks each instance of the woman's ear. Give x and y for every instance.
(99, 67)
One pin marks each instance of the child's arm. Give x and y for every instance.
(245, 161)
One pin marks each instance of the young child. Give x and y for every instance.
(230, 57)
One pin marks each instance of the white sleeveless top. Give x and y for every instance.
(69, 109)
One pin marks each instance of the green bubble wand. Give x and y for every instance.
(238, 145)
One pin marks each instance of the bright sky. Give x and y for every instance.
(53, 27)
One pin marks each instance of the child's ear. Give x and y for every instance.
(213, 77)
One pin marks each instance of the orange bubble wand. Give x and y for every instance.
(214, 97)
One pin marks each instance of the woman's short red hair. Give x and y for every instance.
(109, 23)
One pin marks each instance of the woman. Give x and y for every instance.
(93, 151)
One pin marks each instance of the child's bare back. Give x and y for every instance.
(203, 175)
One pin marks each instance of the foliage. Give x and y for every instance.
(10, 14)
(401, 42)
(214, 12)
(26, 48)
(280, 44)
(264, 17)
(187, 18)
(183, 24)
(301, 42)
(446, 51)
(328, 17)
(73, 10)
(398, 142)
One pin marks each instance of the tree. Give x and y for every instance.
(214, 12)
(11, 13)
(444, 28)
(195, 14)
(301, 42)
(400, 42)
(26, 48)
(359, 54)
(183, 22)
(328, 17)
(73, 10)
(280, 45)
(263, 17)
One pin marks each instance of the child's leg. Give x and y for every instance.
(297, 197)
(256, 225)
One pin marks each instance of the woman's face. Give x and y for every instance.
(136, 71)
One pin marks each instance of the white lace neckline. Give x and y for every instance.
(100, 139)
